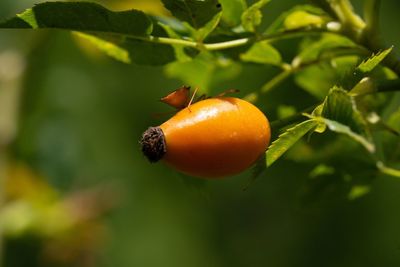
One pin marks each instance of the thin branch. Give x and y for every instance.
(277, 124)
(296, 33)
(371, 15)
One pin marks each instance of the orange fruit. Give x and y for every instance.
(216, 137)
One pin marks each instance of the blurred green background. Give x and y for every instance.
(80, 116)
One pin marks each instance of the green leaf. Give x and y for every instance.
(390, 139)
(321, 169)
(196, 12)
(203, 32)
(341, 115)
(81, 16)
(316, 75)
(358, 191)
(147, 53)
(339, 106)
(178, 49)
(129, 50)
(232, 11)
(118, 34)
(311, 49)
(373, 61)
(344, 129)
(263, 53)
(203, 71)
(111, 49)
(287, 140)
(317, 79)
(365, 86)
(252, 16)
(279, 23)
(301, 18)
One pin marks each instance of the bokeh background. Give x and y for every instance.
(70, 123)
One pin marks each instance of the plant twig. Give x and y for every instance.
(288, 34)
(371, 16)
(277, 124)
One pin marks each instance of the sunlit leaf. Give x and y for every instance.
(263, 53)
(311, 49)
(285, 111)
(204, 31)
(196, 12)
(365, 86)
(252, 16)
(322, 169)
(279, 23)
(129, 50)
(358, 191)
(111, 49)
(373, 61)
(232, 11)
(301, 18)
(287, 140)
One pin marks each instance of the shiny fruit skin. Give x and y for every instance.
(216, 137)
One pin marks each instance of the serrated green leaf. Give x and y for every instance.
(196, 12)
(339, 106)
(252, 16)
(374, 60)
(118, 34)
(81, 16)
(287, 140)
(232, 11)
(263, 53)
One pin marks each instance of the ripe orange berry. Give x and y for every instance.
(216, 137)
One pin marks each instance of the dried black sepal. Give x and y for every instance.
(153, 144)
